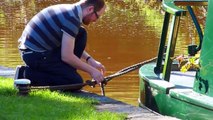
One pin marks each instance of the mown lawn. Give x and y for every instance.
(47, 105)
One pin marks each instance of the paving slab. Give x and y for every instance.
(133, 112)
(7, 72)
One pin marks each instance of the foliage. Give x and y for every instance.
(47, 105)
(188, 63)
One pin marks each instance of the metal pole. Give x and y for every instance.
(162, 43)
(171, 47)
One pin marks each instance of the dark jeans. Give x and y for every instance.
(47, 68)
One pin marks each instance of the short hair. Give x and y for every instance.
(98, 4)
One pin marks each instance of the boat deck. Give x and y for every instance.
(182, 80)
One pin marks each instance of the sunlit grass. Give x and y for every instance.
(47, 105)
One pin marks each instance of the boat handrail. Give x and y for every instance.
(191, 2)
(172, 8)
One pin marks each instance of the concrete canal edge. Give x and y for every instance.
(7, 72)
(108, 104)
(133, 112)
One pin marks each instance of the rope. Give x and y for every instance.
(127, 69)
(92, 83)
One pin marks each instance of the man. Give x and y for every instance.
(53, 44)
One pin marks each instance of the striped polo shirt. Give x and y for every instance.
(44, 31)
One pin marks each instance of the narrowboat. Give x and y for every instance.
(163, 87)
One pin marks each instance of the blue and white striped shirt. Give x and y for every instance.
(44, 31)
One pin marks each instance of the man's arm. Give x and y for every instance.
(91, 61)
(85, 56)
(68, 56)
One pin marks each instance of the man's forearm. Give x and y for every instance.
(85, 55)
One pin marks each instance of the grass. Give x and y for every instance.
(47, 105)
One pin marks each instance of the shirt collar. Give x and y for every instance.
(80, 14)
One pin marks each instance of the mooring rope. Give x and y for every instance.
(92, 83)
(128, 69)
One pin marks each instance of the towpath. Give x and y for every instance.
(108, 104)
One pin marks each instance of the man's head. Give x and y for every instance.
(92, 10)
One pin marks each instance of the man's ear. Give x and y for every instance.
(90, 9)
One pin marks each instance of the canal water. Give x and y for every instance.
(128, 33)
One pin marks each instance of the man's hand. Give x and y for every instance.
(96, 64)
(97, 74)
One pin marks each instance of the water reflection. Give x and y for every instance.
(127, 34)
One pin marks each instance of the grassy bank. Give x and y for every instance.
(46, 105)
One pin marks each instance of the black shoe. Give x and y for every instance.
(19, 72)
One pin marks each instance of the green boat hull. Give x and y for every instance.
(172, 100)
(168, 91)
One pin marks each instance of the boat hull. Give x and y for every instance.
(171, 99)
